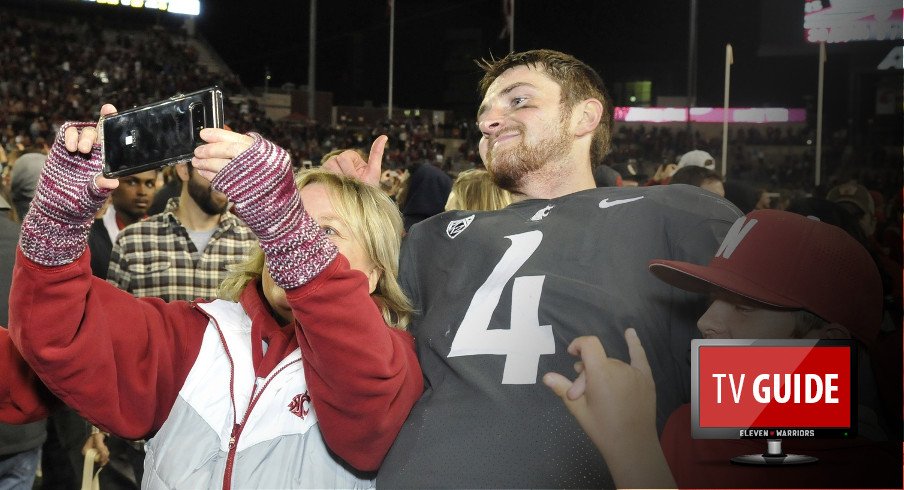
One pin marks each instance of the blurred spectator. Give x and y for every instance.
(129, 203)
(630, 174)
(24, 179)
(857, 200)
(697, 158)
(663, 174)
(474, 190)
(606, 176)
(425, 193)
(781, 199)
(891, 239)
(742, 195)
(764, 199)
(391, 181)
(700, 177)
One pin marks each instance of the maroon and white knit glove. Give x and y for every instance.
(55, 229)
(260, 183)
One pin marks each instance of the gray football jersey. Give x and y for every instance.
(500, 296)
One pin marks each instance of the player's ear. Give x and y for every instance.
(182, 172)
(590, 113)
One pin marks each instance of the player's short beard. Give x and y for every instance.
(204, 198)
(509, 166)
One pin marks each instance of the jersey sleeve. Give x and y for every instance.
(363, 376)
(117, 360)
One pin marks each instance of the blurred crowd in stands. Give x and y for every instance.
(64, 71)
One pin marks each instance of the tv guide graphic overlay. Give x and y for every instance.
(773, 388)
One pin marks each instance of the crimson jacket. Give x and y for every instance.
(120, 361)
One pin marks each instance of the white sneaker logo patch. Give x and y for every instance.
(454, 228)
(542, 213)
(606, 203)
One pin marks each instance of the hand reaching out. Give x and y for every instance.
(350, 163)
(608, 390)
(615, 403)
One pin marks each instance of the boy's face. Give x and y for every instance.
(734, 317)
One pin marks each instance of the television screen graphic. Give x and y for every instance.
(773, 389)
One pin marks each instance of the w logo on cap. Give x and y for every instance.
(735, 234)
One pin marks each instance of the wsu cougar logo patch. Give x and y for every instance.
(301, 405)
(456, 227)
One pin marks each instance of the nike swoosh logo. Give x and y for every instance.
(606, 203)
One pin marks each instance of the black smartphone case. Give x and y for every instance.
(159, 134)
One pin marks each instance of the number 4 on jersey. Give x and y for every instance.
(526, 340)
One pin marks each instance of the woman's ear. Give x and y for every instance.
(590, 115)
(373, 277)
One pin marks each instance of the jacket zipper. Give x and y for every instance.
(238, 428)
(233, 439)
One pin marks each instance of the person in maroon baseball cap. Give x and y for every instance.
(776, 275)
(783, 275)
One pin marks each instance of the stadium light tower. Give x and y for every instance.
(692, 68)
(312, 59)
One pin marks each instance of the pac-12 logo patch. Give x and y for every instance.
(454, 228)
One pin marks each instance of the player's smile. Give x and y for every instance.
(504, 137)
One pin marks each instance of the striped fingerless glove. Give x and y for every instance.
(55, 229)
(259, 182)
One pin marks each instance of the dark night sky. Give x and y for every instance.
(622, 39)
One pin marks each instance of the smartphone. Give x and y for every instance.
(158, 134)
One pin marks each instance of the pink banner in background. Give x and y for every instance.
(710, 115)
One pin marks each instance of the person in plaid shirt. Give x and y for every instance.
(181, 253)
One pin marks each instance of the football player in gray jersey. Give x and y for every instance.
(500, 295)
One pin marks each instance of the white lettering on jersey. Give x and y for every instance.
(454, 228)
(542, 213)
(606, 203)
(736, 233)
(526, 340)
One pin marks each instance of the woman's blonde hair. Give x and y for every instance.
(376, 224)
(474, 190)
